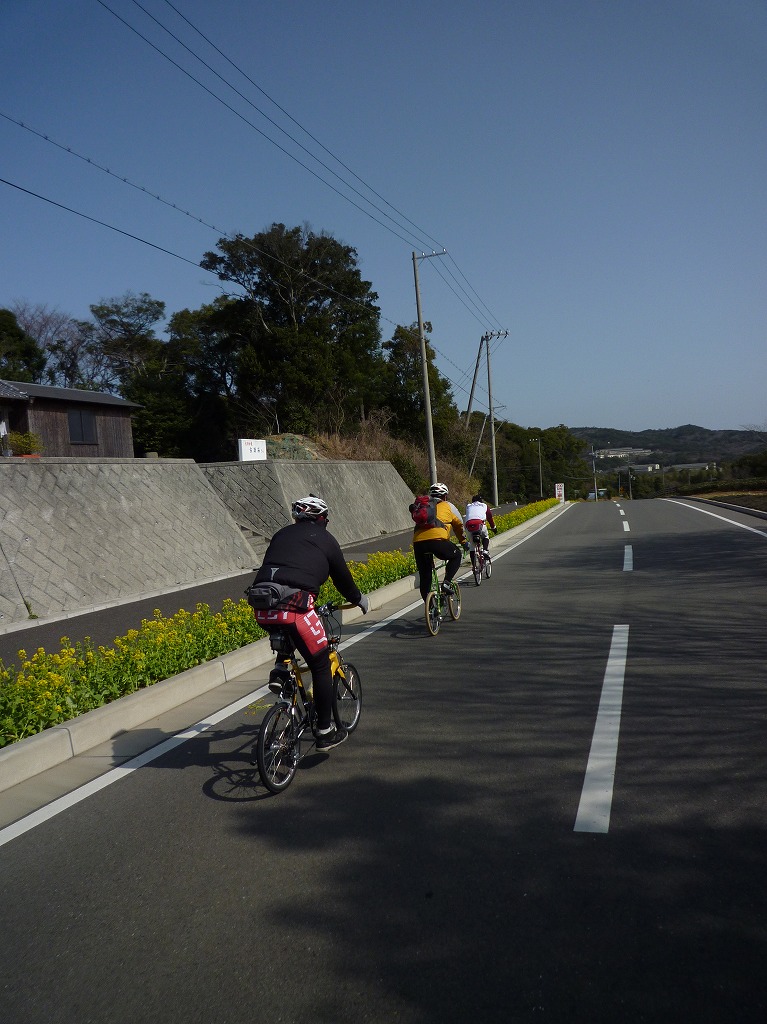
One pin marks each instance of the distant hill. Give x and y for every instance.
(678, 444)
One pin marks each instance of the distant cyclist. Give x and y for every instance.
(429, 541)
(478, 518)
(300, 557)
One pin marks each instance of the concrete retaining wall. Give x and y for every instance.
(77, 533)
(366, 499)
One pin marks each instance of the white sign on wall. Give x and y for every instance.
(559, 491)
(250, 450)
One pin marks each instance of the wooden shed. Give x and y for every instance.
(68, 421)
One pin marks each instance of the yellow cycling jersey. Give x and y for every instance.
(448, 517)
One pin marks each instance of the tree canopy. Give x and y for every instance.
(21, 357)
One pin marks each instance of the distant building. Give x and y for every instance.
(632, 454)
(695, 467)
(68, 421)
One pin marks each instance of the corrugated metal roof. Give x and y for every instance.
(20, 391)
(9, 391)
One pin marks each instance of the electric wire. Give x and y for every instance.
(253, 126)
(200, 220)
(259, 110)
(102, 223)
(290, 117)
(272, 122)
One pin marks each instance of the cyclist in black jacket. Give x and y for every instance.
(303, 555)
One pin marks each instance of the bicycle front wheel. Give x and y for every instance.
(347, 697)
(454, 601)
(433, 617)
(277, 748)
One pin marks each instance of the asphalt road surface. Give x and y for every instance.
(555, 810)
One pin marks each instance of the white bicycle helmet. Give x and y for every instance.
(438, 491)
(311, 507)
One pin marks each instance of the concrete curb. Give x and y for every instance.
(28, 757)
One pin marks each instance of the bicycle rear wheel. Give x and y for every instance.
(476, 567)
(433, 617)
(454, 601)
(277, 748)
(347, 697)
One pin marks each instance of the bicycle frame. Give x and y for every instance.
(480, 563)
(436, 601)
(278, 745)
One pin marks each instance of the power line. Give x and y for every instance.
(102, 223)
(253, 126)
(298, 124)
(279, 128)
(184, 259)
(153, 195)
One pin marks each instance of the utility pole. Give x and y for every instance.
(425, 369)
(473, 384)
(487, 338)
(540, 463)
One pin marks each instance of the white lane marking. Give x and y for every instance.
(626, 527)
(26, 824)
(705, 511)
(628, 558)
(597, 793)
(623, 512)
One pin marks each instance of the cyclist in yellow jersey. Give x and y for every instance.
(429, 541)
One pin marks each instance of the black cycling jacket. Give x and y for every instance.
(304, 555)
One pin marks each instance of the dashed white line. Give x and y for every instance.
(628, 558)
(626, 527)
(597, 793)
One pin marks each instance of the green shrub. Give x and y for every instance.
(49, 689)
(24, 444)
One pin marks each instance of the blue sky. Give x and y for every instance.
(595, 169)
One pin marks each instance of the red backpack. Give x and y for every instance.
(424, 510)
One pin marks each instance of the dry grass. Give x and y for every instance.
(372, 443)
